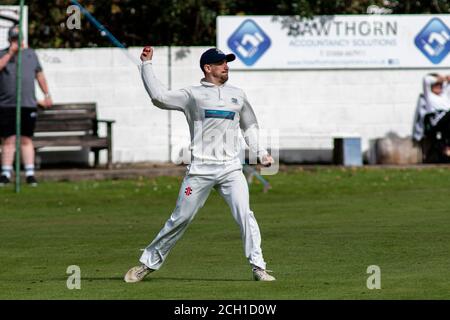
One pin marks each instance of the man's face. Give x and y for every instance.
(218, 70)
(437, 88)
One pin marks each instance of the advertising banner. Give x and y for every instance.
(341, 41)
(9, 16)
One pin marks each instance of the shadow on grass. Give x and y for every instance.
(159, 279)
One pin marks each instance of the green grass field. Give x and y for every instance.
(321, 229)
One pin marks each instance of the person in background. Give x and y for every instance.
(31, 71)
(432, 116)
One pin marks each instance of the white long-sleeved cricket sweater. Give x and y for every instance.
(215, 115)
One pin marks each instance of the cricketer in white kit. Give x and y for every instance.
(215, 112)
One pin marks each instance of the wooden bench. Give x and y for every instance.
(73, 125)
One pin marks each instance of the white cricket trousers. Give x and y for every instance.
(194, 191)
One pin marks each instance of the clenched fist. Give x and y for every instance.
(147, 54)
(267, 160)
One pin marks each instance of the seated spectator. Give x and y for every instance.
(432, 118)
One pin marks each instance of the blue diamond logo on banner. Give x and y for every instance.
(249, 42)
(434, 40)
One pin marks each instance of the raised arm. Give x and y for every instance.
(428, 81)
(12, 50)
(447, 86)
(250, 130)
(161, 97)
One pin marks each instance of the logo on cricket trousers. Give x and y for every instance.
(188, 191)
(434, 40)
(249, 42)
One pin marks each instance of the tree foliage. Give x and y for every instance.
(182, 22)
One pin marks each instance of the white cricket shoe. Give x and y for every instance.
(262, 275)
(138, 273)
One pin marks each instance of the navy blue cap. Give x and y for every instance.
(214, 55)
